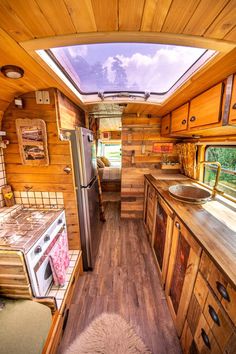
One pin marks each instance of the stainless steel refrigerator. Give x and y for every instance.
(85, 172)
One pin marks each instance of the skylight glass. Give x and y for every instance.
(132, 67)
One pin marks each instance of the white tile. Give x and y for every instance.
(17, 194)
(24, 194)
(38, 194)
(60, 294)
(60, 201)
(53, 201)
(59, 302)
(18, 200)
(52, 292)
(52, 194)
(25, 200)
(45, 194)
(31, 194)
(39, 201)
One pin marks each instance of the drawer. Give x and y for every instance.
(220, 285)
(204, 339)
(218, 321)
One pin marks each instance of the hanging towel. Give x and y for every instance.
(59, 259)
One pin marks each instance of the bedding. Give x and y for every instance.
(109, 173)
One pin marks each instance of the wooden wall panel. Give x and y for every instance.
(135, 133)
(50, 178)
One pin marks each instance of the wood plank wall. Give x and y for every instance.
(135, 133)
(50, 178)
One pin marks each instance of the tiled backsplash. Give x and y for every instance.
(2, 177)
(46, 200)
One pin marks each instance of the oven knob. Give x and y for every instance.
(47, 238)
(60, 221)
(38, 249)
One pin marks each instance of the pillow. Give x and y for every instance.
(105, 161)
(100, 164)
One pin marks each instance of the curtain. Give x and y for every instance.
(187, 158)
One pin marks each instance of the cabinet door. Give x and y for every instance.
(149, 210)
(182, 271)
(162, 237)
(232, 112)
(165, 125)
(205, 109)
(179, 119)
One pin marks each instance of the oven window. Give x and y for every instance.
(226, 155)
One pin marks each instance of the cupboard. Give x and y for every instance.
(165, 125)
(232, 111)
(149, 209)
(179, 119)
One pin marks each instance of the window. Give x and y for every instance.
(147, 70)
(112, 151)
(226, 155)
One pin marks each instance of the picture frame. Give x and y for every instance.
(32, 139)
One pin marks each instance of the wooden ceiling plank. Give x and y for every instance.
(12, 24)
(30, 13)
(203, 16)
(57, 15)
(148, 14)
(130, 14)
(179, 15)
(105, 13)
(231, 36)
(81, 13)
(161, 11)
(224, 23)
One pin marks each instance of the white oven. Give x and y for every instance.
(37, 258)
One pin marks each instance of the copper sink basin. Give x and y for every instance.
(189, 194)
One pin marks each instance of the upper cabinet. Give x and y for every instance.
(179, 119)
(205, 109)
(232, 111)
(165, 125)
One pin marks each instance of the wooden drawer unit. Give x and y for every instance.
(232, 112)
(220, 285)
(165, 125)
(183, 266)
(162, 237)
(179, 119)
(205, 109)
(204, 338)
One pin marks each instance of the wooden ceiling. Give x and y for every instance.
(25, 20)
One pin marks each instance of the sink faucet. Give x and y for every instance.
(214, 190)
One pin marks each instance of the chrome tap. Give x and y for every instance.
(218, 164)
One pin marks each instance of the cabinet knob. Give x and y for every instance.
(214, 315)
(205, 338)
(47, 238)
(38, 250)
(192, 119)
(167, 127)
(234, 106)
(184, 121)
(177, 224)
(222, 290)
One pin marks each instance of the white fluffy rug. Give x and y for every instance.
(108, 334)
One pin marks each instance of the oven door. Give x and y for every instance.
(43, 276)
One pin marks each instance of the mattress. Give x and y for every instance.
(110, 173)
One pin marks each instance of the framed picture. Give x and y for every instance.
(32, 139)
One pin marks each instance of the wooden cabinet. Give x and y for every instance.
(232, 111)
(179, 119)
(162, 237)
(150, 199)
(165, 125)
(205, 109)
(182, 271)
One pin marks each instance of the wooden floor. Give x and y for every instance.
(124, 281)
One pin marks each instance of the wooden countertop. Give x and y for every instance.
(213, 224)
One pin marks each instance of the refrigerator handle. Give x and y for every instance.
(89, 186)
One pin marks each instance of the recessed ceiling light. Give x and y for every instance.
(12, 71)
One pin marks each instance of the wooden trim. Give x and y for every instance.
(123, 36)
(228, 95)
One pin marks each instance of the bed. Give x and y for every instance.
(110, 178)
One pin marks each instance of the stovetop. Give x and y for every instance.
(25, 227)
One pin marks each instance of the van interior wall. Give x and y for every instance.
(49, 178)
(138, 160)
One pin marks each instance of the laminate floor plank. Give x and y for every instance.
(124, 281)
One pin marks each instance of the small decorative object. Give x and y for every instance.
(32, 138)
(105, 135)
(18, 102)
(162, 147)
(8, 196)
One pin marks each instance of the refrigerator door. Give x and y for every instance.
(87, 155)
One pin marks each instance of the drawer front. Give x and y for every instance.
(204, 339)
(225, 293)
(217, 321)
(205, 109)
(179, 118)
(165, 125)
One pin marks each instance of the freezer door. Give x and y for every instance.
(92, 223)
(87, 155)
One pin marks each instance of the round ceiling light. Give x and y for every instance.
(12, 71)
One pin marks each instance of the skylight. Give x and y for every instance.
(127, 69)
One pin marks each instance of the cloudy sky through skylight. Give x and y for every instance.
(126, 66)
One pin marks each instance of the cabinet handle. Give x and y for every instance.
(234, 106)
(177, 224)
(205, 338)
(167, 127)
(214, 315)
(192, 119)
(184, 121)
(222, 290)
